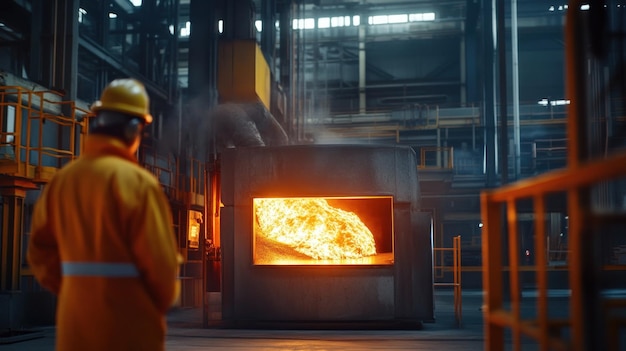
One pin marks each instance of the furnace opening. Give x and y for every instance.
(323, 231)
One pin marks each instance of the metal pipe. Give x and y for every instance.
(397, 85)
(463, 68)
(489, 93)
(362, 70)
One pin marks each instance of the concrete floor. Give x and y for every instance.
(185, 334)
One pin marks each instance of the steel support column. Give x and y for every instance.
(287, 64)
(203, 52)
(239, 19)
(268, 33)
(65, 47)
(36, 30)
(515, 86)
(583, 267)
(472, 44)
(489, 91)
(502, 88)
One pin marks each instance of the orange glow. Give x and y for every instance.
(313, 228)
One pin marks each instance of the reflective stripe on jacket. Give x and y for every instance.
(99, 269)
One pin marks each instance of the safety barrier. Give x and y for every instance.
(572, 182)
(592, 322)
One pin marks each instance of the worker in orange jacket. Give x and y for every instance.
(102, 236)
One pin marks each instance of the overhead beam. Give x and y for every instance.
(105, 57)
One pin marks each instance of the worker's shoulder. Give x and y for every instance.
(126, 171)
(132, 171)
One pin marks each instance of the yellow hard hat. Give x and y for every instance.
(126, 95)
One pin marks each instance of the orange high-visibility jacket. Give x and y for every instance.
(102, 240)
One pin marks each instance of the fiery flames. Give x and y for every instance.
(314, 228)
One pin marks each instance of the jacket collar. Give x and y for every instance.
(100, 145)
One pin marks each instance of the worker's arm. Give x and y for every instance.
(43, 252)
(154, 248)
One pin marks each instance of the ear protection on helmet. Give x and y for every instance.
(132, 130)
(120, 125)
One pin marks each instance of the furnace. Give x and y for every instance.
(324, 234)
(317, 230)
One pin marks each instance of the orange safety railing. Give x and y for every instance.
(196, 176)
(494, 203)
(440, 268)
(167, 169)
(39, 132)
(593, 320)
(436, 157)
(164, 168)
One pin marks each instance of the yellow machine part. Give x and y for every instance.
(243, 74)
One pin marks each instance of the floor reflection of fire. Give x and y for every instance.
(297, 230)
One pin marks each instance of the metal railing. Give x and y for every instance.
(440, 268)
(163, 167)
(436, 157)
(195, 179)
(40, 133)
(177, 181)
(493, 204)
(34, 137)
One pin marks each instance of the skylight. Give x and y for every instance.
(81, 14)
(583, 7)
(304, 23)
(355, 21)
(340, 21)
(323, 22)
(186, 30)
(398, 18)
(546, 102)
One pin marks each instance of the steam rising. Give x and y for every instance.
(203, 130)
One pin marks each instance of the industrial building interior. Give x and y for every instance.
(514, 112)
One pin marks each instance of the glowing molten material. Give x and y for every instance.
(314, 228)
